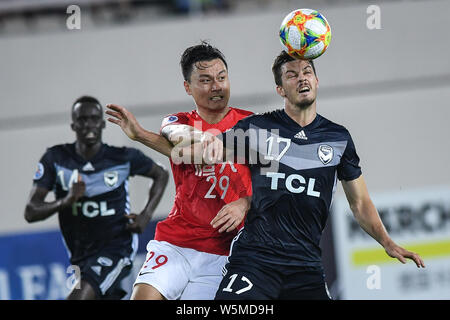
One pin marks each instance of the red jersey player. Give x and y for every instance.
(202, 190)
(185, 259)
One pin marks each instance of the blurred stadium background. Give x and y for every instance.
(389, 86)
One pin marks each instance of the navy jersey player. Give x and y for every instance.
(90, 181)
(296, 157)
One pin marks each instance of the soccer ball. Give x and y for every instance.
(305, 34)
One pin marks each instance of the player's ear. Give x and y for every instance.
(103, 124)
(187, 87)
(280, 91)
(72, 125)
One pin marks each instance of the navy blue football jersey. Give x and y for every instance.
(97, 219)
(294, 173)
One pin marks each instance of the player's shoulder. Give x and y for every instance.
(110, 149)
(177, 118)
(119, 152)
(250, 119)
(272, 114)
(265, 116)
(59, 150)
(332, 126)
(242, 113)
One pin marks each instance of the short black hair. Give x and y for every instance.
(87, 99)
(281, 59)
(201, 52)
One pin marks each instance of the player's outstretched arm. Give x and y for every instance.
(160, 176)
(37, 209)
(368, 218)
(131, 127)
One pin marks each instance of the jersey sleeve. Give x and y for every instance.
(139, 163)
(172, 119)
(349, 169)
(45, 175)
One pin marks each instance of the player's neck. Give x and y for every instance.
(212, 116)
(303, 116)
(87, 151)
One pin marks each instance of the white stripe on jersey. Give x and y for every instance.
(224, 270)
(127, 197)
(112, 276)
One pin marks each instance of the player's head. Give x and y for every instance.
(295, 80)
(87, 120)
(205, 74)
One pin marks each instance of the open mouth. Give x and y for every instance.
(90, 135)
(216, 98)
(304, 89)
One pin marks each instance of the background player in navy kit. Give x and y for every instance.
(277, 254)
(90, 182)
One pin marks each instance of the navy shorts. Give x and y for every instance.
(104, 272)
(249, 278)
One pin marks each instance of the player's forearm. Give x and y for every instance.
(368, 218)
(40, 211)
(247, 201)
(192, 146)
(182, 135)
(155, 142)
(156, 192)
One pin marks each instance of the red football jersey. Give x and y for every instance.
(202, 190)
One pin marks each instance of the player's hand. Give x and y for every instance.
(124, 119)
(231, 215)
(75, 192)
(395, 251)
(136, 222)
(212, 148)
